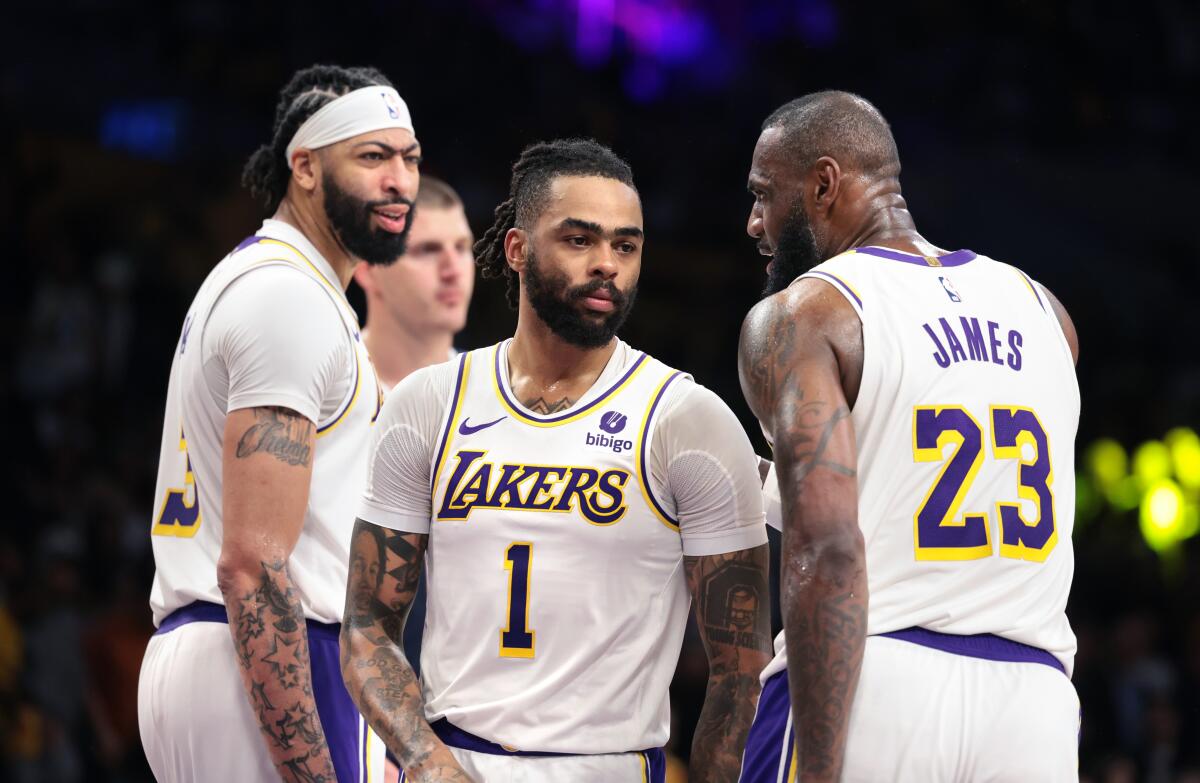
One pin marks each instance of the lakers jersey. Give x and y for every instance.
(274, 295)
(965, 425)
(557, 598)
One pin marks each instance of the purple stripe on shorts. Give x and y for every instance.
(980, 645)
(339, 716)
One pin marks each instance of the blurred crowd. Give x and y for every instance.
(1057, 136)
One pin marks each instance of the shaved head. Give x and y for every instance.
(842, 125)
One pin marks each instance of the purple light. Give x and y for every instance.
(594, 31)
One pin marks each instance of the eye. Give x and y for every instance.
(579, 241)
(627, 247)
(372, 156)
(414, 160)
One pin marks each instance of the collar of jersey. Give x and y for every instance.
(276, 232)
(957, 258)
(507, 398)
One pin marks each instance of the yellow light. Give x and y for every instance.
(1108, 462)
(1184, 445)
(1125, 495)
(1151, 462)
(1162, 515)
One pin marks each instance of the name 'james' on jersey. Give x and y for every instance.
(965, 423)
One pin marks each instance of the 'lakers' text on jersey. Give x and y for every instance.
(965, 424)
(556, 593)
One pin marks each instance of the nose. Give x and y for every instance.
(448, 266)
(400, 179)
(604, 263)
(754, 226)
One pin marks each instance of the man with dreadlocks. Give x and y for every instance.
(568, 492)
(269, 404)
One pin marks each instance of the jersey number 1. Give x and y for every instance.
(940, 532)
(516, 638)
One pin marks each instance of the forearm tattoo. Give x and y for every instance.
(385, 568)
(732, 608)
(271, 643)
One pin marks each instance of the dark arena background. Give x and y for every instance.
(1058, 136)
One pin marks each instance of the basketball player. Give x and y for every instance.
(923, 406)
(270, 400)
(568, 493)
(416, 305)
(414, 308)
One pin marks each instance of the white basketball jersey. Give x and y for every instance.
(186, 526)
(557, 595)
(965, 425)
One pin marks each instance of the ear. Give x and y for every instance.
(516, 246)
(826, 183)
(306, 169)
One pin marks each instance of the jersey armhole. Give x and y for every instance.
(840, 285)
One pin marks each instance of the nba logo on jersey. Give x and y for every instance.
(950, 290)
(613, 422)
(393, 109)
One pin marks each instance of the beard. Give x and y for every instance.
(350, 218)
(795, 254)
(555, 301)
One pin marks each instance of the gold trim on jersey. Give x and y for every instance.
(587, 409)
(641, 448)
(325, 429)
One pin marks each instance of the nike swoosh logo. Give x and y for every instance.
(467, 429)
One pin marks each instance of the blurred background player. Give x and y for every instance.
(416, 305)
(270, 400)
(922, 406)
(572, 492)
(414, 308)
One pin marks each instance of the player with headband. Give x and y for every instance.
(269, 404)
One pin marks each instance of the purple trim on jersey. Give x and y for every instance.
(837, 280)
(1033, 288)
(365, 760)
(353, 396)
(646, 446)
(764, 744)
(458, 382)
(980, 645)
(957, 258)
(245, 243)
(571, 413)
(339, 716)
(656, 765)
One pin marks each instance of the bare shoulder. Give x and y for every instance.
(810, 320)
(1068, 326)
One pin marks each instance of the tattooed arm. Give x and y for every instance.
(800, 364)
(385, 566)
(267, 469)
(733, 614)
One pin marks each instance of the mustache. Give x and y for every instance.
(370, 205)
(587, 289)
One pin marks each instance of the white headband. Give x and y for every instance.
(361, 111)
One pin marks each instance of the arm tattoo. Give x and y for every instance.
(544, 406)
(733, 615)
(280, 432)
(792, 380)
(385, 566)
(271, 643)
(826, 635)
